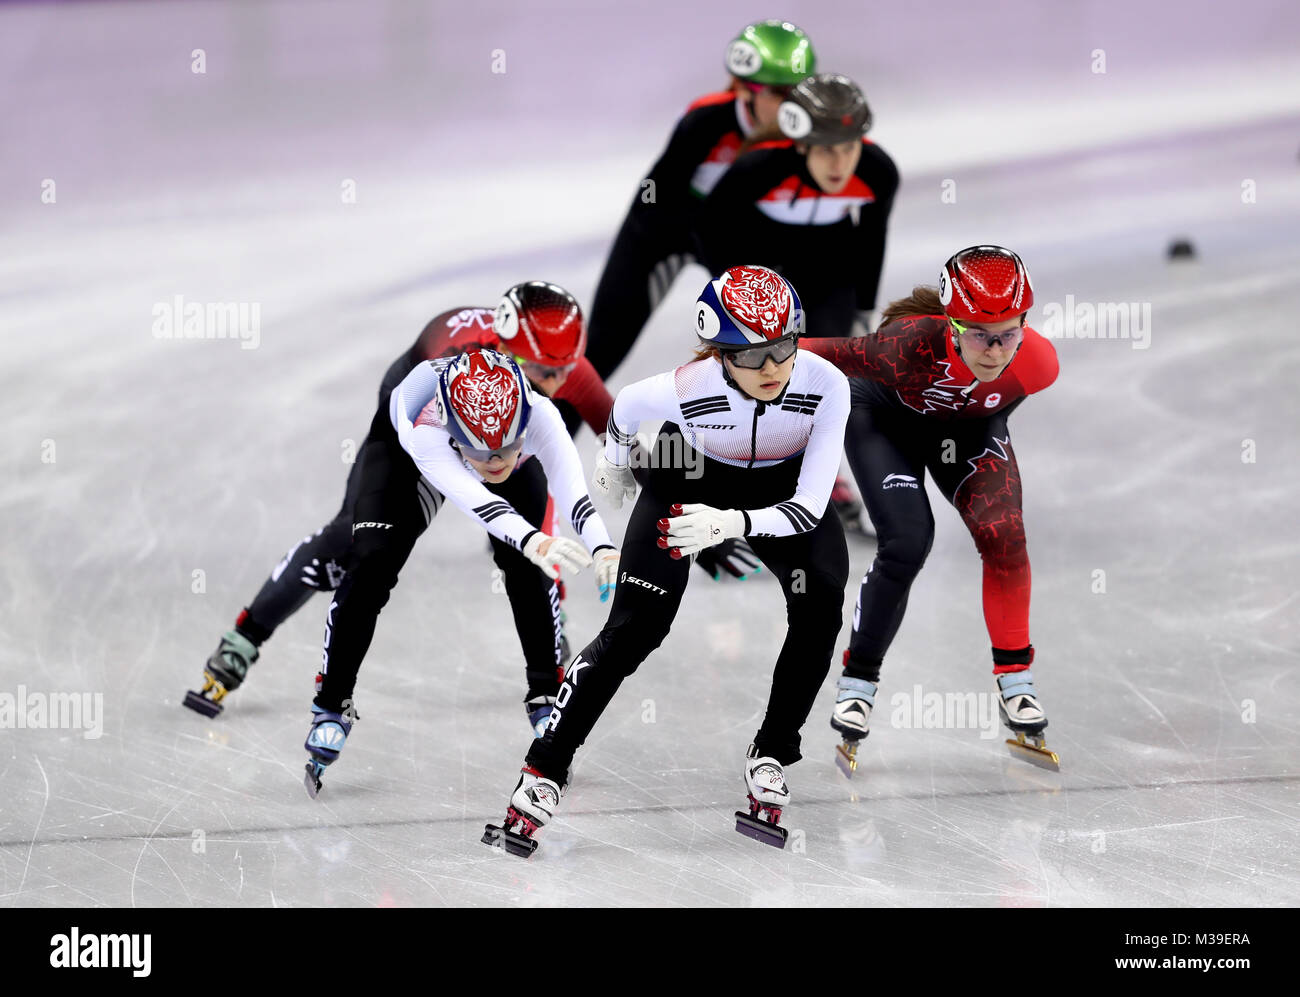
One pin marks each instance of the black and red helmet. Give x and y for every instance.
(541, 323)
(985, 284)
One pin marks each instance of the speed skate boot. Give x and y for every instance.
(1023, 715)
(224, 672)
(329, 732)
(539, 708)
(532, 805)
(768, 795)
(854, 702)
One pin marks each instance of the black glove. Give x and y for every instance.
(733, 556)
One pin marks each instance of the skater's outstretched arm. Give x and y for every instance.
(554, 447)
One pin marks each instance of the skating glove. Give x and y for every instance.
(695, 527)
(606, 559)
(733, 557)
(553, 553)
(615, 483)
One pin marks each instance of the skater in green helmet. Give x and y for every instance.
(764, 61)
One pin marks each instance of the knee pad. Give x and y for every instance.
(903, 556)
(1001, 542)
(625, 645)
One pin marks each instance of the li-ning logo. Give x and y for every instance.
(380, 526)
(899, 481)
(625, 577)
(77, 951)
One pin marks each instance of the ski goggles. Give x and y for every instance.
(982, 339)
(483, 456)
(540, 372)
(753, 357)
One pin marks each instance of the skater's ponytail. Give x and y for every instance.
(924, 300)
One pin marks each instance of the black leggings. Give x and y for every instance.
(973, 465)
(812, 568)
(387, 517)
(638, 274)
(315, 563)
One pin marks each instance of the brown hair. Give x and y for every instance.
(703, 351)
(924, 300)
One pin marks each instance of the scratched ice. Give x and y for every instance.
(148, 484)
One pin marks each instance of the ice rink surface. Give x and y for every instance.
(148, 485)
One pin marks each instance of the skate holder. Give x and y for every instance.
(311, 780)
(514, 844)
(761, 830)
(846, 757)
(1033, 749)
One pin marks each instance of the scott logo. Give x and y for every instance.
(378, 526)
(625, 577)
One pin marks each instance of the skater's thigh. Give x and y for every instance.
(650, 582)
(887, 455)
(813, 563)
(387, 517)
(982, 462)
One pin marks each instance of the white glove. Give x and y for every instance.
(553, 553)
(695, 527)
(615, 483)
(606, 559)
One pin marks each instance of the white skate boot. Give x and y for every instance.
(1023, 715)
(532, 805)
(768, 795)
(851, 717)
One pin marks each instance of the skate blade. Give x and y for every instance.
(201, 704)
(515, 844)
(760, 830)
(1034, 751)
(846, 757)
(311, 782)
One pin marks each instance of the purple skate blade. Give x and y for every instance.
(760, 830)
(515, 844)
(200, 705)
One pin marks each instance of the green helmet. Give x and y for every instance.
(775, 53)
